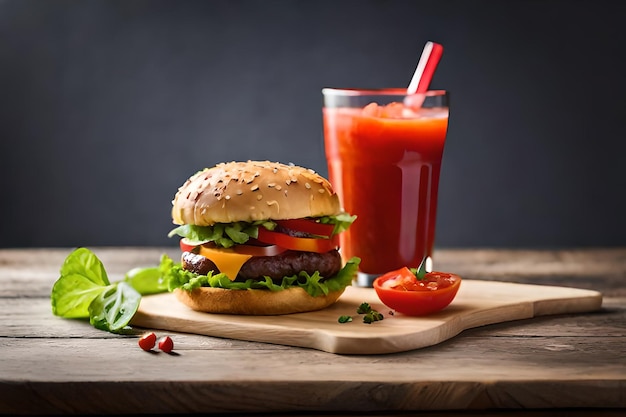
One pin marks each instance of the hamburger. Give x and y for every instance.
(258, 238)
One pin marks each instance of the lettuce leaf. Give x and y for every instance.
(223, 235)
(83, 290)
(315, 285)
(341, 221)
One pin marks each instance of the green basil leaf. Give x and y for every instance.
(420, 271)
(113, 309)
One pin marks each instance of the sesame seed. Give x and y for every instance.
(307, 185)
(278, 187)
(227, 197)
(239, 192)
(260, 196)
(271, 184)
(321, 191)
(254, 187)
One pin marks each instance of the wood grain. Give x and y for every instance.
(570, 364)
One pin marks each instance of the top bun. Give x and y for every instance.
(253, 190)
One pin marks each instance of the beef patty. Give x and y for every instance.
(286, 264)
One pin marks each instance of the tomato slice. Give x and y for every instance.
(305, 244)
(308, 226)
(254, 250)
(185, 246)
(403, 292)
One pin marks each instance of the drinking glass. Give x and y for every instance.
(384, 150)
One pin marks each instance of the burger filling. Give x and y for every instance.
(315, 284)
(270, 255)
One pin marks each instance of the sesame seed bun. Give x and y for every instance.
(250, 191)
(254, 302)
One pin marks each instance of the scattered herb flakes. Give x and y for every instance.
(369, 314)
(372, 316)
(364, 308)
(344, 319)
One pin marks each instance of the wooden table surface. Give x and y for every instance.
(567, 364)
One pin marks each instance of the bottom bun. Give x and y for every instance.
(255, 302)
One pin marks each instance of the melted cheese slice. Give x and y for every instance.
(227, 261)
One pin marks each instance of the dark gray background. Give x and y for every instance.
(106, 107)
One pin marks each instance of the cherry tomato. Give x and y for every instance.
(403, 292)
(166, 344)
(307, 244)
(147, 341)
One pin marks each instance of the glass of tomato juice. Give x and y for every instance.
(384, 150)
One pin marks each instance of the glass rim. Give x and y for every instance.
(355, 92)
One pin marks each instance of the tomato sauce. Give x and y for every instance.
(386, 171)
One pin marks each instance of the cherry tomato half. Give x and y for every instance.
(403, 292)
(306, 244)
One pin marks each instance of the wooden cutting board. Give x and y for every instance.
(477, 303)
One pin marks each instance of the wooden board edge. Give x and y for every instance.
(588, 302)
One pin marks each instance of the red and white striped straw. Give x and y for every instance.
(425, 68)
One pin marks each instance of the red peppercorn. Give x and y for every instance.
(166, 344)
(147, 341)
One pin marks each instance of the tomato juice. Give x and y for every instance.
(384, 162)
